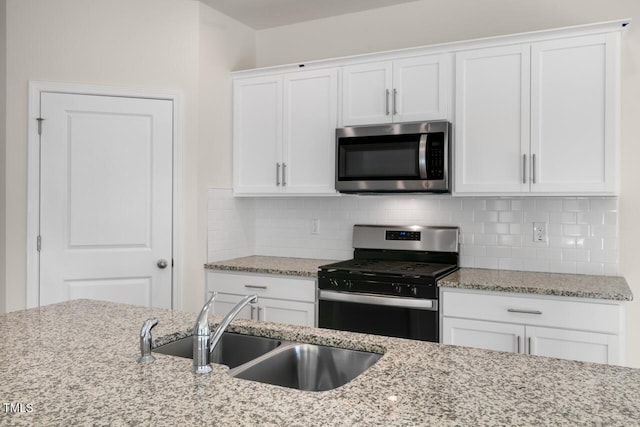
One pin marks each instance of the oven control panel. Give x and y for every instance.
(402, 235)
(412, 288)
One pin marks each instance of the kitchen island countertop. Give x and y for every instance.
(75, 363)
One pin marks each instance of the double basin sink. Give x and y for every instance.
(300, 366)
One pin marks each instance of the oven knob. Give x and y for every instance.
(414, 291)
(333, 282)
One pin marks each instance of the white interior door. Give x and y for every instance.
(106, 199)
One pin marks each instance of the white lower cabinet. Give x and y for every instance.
(481, 334)
(584, 330)
(281, 299)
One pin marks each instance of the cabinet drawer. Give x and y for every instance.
(270, 286)
(558, 313)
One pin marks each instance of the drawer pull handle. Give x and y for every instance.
(515, 310)
(255, 287)
(518, 345)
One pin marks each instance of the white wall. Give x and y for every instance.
(3, 140)
(435, 21)
(427, 22)
(225, 45)
(142, 44)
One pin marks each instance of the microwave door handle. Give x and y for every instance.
(422, 156)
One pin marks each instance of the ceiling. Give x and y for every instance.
(261, 14)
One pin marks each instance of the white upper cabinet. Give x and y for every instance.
(366, 93)
(284, 133)
(257, 134)
(538, 118)
(403, 90)
(492, 120)
(574, 99)
(310, 119)
(533, 114)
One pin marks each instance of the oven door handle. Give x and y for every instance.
(387, 301)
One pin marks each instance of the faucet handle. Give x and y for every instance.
(145, 341)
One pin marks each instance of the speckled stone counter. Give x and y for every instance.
(568, 285)
(272, 265)
(75, 364)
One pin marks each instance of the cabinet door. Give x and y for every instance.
(573, 345)
(492, 120)
(574, 102)
(225, 302)
(488, 335)
(310, 120)
(291, 312)
(421, 88)
(366, 94)
(257, 134)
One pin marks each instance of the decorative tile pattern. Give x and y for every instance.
(75, 364)
(496, 232)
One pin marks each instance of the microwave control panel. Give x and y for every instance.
(435, 156)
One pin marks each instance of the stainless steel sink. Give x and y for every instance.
(307, 367)
(232, 350)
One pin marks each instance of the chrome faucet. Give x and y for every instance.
(204, 342)
(145, 341)
(201, 339)
(215, 338)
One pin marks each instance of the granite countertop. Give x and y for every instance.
(306, 267)
(568, 285)
(75, 363)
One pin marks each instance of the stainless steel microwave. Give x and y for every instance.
(402, 157)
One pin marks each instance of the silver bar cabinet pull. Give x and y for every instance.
(517, 310)
(395, 102)
(284, 174)
(255, 287)
(524, 168)
(533, 168)
(387, 102)
(518, 344)
(529, 345)
(278, 174)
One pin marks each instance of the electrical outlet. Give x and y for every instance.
(315, 226)
(540, 232)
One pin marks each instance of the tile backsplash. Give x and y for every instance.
(496, 233)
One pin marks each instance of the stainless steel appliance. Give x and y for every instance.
(389, 287)
(401, 157)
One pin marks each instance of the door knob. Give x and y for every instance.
(162, 263)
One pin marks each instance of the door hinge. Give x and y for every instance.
(40, 120)
(39, 243)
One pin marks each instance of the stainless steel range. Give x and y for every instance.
(390, 285)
